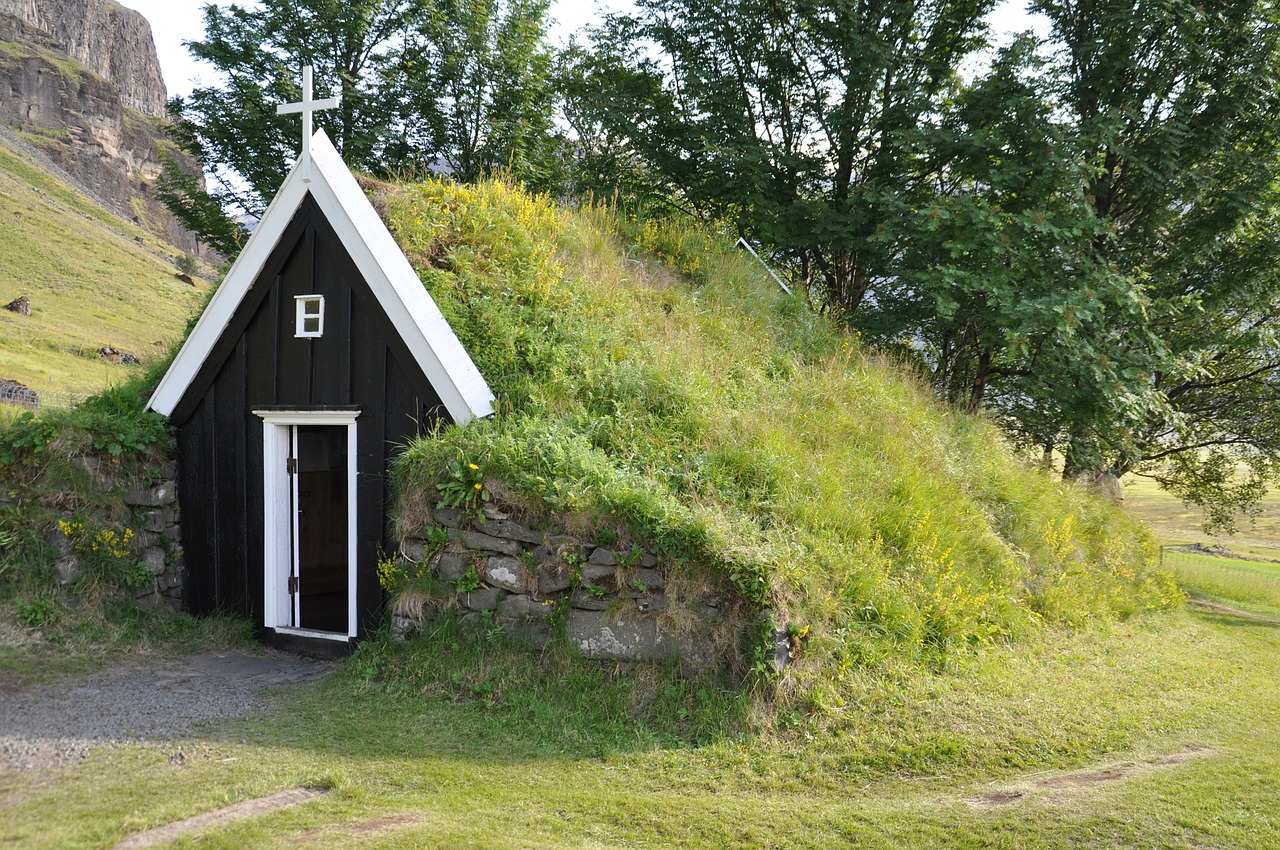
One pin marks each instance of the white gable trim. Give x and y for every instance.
(377, 257)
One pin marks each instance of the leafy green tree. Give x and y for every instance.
(1178, 104)
(1080, 242)
(603, 161)
(988, 261)
(479, 94)
(785, 117)
(462, 80)
(182, 190)
(233, 127)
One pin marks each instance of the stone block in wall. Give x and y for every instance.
(648, 560)
(67, 569)
(93, 465)
(596, 574)
(158, 520)
(507, 573)
(619, 636)
(448, 517)
(476, 540)
(526, 619)
(484, 599)
(159, 495)
(509, 530)
(588, 601)
(153, 557)
(492, 511)
(646, 580)
(62, 544)
(553, 578)
(413, 551)
(602, 557)
(521, 607)
(403, 627)
(451, 564)
(629, 636)
(166, 470)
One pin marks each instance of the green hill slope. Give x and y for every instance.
(93, 278)
(655, 385)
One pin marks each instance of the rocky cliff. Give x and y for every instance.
(80, 82)
(111, 41)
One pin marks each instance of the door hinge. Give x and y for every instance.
(293, 585)
(291, 465)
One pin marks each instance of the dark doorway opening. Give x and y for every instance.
(322, 551)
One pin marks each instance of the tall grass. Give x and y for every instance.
(651, 380)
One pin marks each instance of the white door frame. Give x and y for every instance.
(280, 520)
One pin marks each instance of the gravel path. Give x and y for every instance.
(48, 725)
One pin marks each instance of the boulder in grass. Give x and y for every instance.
(115, 355)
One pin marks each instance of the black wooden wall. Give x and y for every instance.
(257, 363)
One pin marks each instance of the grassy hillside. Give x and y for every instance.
(91, 282)
(654, 384)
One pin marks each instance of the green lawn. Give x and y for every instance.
(1182, 707)
(94, 280)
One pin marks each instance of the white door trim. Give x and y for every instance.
(280, 523)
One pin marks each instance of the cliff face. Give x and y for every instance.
(111, 41)
(98, 118)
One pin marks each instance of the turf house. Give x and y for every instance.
(320, 352)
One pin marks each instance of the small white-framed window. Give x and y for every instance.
(309, 314)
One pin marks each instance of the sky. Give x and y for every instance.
(176, 21)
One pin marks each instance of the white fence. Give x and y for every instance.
(20, 396)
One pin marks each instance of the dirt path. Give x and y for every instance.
(1061, 785)
(1235, 612)
(154, 699)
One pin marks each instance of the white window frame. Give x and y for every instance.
(303, 313)
(280, 520)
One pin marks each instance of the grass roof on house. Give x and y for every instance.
(651, 376)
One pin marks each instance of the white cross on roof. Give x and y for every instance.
(306, 107)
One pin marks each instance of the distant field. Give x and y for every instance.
(1244, 568)
(1248, 584)
(94, 280)
(1174, 522)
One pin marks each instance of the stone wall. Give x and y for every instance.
(612, 602)
(147, 506)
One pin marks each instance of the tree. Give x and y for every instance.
(987, 262)
(233, 128)
(1080, 242)
(1178, 104)
(784, 117)
(479, 91)
(458, 79)
(1097, 265)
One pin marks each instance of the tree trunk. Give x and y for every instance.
(979, 388)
